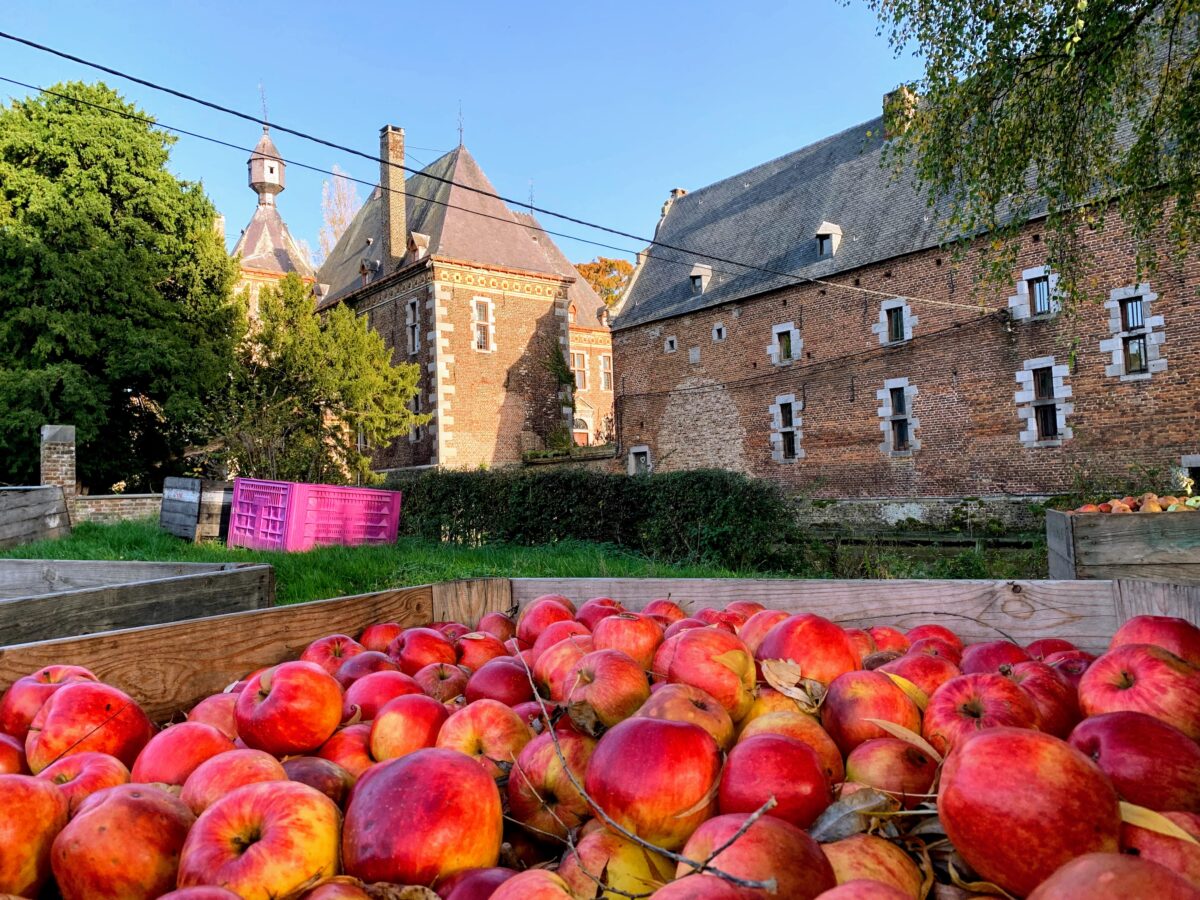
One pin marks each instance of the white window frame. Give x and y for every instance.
(670, 344)
(1152, 330)
(887, 415)
(880, 328)
(490, 321)
(1027, 402)
(636, 451)
(778, 429)
(580, 385)
(606, 372)
(774, 348)
(1020, 304)
(412, 326)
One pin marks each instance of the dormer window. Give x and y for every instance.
(571, 314)
(824, 245)
(829, 236)
(699, 278)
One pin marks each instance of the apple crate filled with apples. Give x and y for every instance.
(532, 739)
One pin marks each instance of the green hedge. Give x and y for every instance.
(709, 516)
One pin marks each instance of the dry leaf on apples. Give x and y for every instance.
(1153, 821)
(915, 694)
(977, 887)
(851, 815)
(785, 676)
(905, 734)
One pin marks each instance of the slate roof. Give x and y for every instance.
(768, 216)
(266, 245)
(580, 294)
(461, 224)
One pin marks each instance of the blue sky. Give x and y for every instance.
(602, 108)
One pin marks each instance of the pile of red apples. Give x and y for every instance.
(596, 752)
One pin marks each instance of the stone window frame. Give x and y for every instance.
(880, 328)
(574, 371)
(719, 333)
(606, 372)
(417, 431)
(694, 356)
(634, 452)
(797, 343)
(887, 416)
(778, 429)
(412, 325)
(1190, 463)
(1020, 304)
(490, 322)
(670, 344)
(1027, 405)
(1153, 331)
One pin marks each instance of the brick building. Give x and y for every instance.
(878, 365)
(479, 297)
(266, 250)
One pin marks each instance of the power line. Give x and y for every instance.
(510, 202)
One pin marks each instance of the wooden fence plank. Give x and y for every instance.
(467, 600)
(1080, 611)
(30, 577)
(167, 668)
(1159, 573)
(1060, 568)
(1152, 598)
(1137, 539)
(33, 514)
(1060, 537)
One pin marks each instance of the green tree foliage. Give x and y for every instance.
(312, 394)
(607, 277)
(114, 290)
(1080, 106)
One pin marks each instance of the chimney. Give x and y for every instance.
(391, 183)
(899, 107)
(675, 194)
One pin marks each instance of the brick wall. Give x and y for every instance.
(58, 457)
(593, 402)
(113, 507)
(708, 403)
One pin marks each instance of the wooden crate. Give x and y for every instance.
(196, 509)
(42, 599)
(169, 667)
(30, 514)
(1146, 546)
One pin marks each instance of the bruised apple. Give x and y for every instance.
(541, 794)
(83, 716)
(26, 695)
(866, 856)
(895, 766)
(605, 687)
(82, 774)
(442, 682)
(322, 775)
(32, 813)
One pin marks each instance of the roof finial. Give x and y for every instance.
(460, 124)
(262, 93)
(531, 196)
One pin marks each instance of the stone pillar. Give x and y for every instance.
(58, 457)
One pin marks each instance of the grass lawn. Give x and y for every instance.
(336, 571)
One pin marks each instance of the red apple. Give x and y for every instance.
(756, 627)
(208, 892)
(941, 632)
(1071, 664)
(340, 887)
(83, 716)
(322, 775)
(474, 884)
(925, 671)
(123, 842)
(362, 664)
(12, 756)
(498, 624)
(1054, 696)
(595, 610)
(405, 725)
(26, 695)
(379, 635)
(1179, 636)
(32, 813)
(531, 714)
(990, 656)
(671, 789)
(895, 766)
(330, 652)
(219, 711)
(665, 608)
(684, 703)
(766, 700)
(478, 647)
(772, 765)
(452, 630)
(442, 682)
(489, 732)
(1042, 648)
(350, 748)
(1143, 678)
(1113, 876)
(534, 884)
(1151, 763)
(605, 687)
(744, 608)
(888, 638)
(602, 856)
(933, 646)
(1180, 856)
(418, 647)
(863, 645)
(683, 625)
(216, 777)
(855, 697)
(553, 668)
(819, 647)
(1017, 804)
(291, 708)
(722, 617)
(717, 662)
(634, 634)
(504, 679)
(806, 730)
(540, 793)
(422, 817)
(865, 889)
(82, 774)
(538, 615)
(770, 848)
(175, 752)
(701, 887)
(866, 856)
(368, 694)
(972, 703)
(263, 840)
(555, 632)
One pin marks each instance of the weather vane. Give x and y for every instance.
(262, 93)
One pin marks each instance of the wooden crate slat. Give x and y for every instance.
(1172, 574)
(195, 509)
(168, 668)
(1059, 567)
(1080, 611)
(1153, 598)
(1137, 539)
(467, 600)
(30, 577)
(33, 514)
(1060, 537)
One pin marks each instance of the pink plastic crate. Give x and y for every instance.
(287, 515)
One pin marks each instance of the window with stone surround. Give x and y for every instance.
(896, 419)
(896, 322)
(484, 331)
(579, 368)
(718, 333)
(785, 344)
(1137, 334)
(606, 383)
(786, 432)
(670, 345)
(418, 431)
(412, 325)
(1041, 402)
(1036, 295)
(639, 460)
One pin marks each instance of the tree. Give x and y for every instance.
(115, 313)
(339, 203)
(607, 276)
(312, 394)
(1073, 107)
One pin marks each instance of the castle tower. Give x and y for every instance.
(266, 170)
